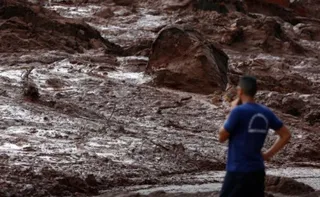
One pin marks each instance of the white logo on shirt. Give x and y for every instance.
(259, 129)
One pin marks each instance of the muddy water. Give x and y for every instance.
(98, 116)
(125, 27)
(125, 73)
(213, 181)
(91, 116)
(126, 30)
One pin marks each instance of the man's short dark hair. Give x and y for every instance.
(249, 85)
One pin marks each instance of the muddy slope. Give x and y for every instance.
(25, 26)
(100, 127)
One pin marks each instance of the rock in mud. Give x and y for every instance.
(308, 31)
(31, 91)
(286, 186)
(313, 116)
(175, 4)
(273, 8)
(91, 180)
(283, 81)
(313, 194)
(182, 59)
(312, 7)
(293, 104)
(269, 34)
(27, 26)
(55, 82)
(105, 13)
(220, 6)
(75, 184)
(124, 2)
(235, 34)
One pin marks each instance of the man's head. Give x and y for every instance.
(247, 87)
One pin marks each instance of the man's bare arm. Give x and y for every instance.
(283, 139)
(223, 135)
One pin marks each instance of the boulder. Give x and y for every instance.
(181, 58)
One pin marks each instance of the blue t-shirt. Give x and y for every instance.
(248, 125)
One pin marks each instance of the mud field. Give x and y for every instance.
(81, 115)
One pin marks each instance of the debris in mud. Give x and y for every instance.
(273, 37)
(100, 133)
(182, 59)
(249, 34)
(235, 34)
(313, 117)
(45, 183)
(308, 31)
(293, 104)
(73, 185)
(282, 81)
(124, 2)
(91, 180)
(176, 4)
(105, 13)
(141, 49)
(276, 8)
(220, 6)
(286, 186)
(55, 82)
(28, 26)
(30, 89)
(312, 7)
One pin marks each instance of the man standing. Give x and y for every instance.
(246, 128)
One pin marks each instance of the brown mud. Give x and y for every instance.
(182, 59)
(25, 26)
(101, 127)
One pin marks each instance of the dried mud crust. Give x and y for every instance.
(25, 26)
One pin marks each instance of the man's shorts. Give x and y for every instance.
(243, 184)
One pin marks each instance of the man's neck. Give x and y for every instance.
(247, 100)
